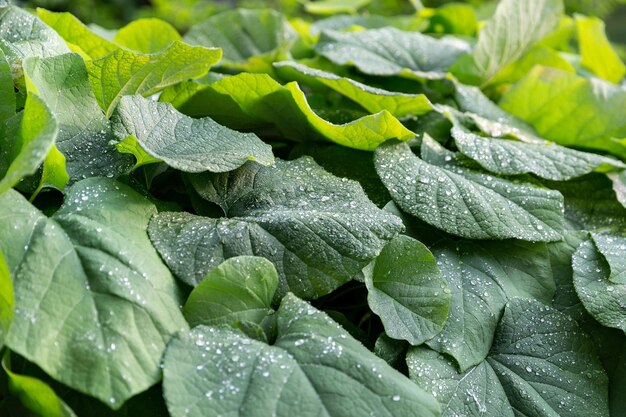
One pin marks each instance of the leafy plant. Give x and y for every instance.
(313, 213)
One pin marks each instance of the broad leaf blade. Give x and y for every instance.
(318, 230)
(406, 289)
(7, 300)
(456, 200)
(540, 363)
(388, 51)
(513, 29)
(190, 145)
(85, 133)
(96, 305)
(304, 373)
(147, 36)
(7, 90)
(596, 51)
(239, 289)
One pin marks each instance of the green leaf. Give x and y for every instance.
(84, 132)
(389, 51)
(371, 99)
(457, 200)
(250, 39)
(546, 160)
(190, 145)
(331, 7)
(124, 72)
(35, 395)
(406, 289)
(95, 304)
(27, 139)
(540, 364)
(318, 230)
(597, 54)
(482, 278)
(590, 204)
(570, 110)
(7, 300)
(78, 37)
(239, 289)
(247, 101)
(7, 90)
(23, 35)
(508, 35)
(147, 36)
(600, 279)
(315, 368)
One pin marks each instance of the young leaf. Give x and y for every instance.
(239, 289)
(482, 278)
(540, 364)
(250, 39)
(318, 230)
(569, 109)
(23, 35)
(85, 133)
(596, 51)
(25, 142)
(389, 51)
(96, 305)
(546, 160)
(406, 289)
(371, 99)
(514, 28)
(35, 395)
(600, 279)
(314, 368)
(147, 36)
(468, 203)
(190, 145)
(247, 101)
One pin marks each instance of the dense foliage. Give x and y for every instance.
(417, 214)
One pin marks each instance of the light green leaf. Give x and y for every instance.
(371, 99)
(508, 35)
(540, 364)
(468, 203)
(124, 72)
(54, 173)
(317, 229)
(597, 54)
(78, 37)
(600, 279)
(389, 51)
(96, 305)
(23, 35)
(569, 109)
(7, 90)
(330, 7)
(482, 278)
(456, 18)
(315, 368)
(26, 140)
(147, 36)
(247, 101)
(131, 146)
(406, 289)
(35, 395)
(190, 145)
(250, 39)
(7, 300)
(239, 289)
(546, 160)
(85, 133)
(619, 185)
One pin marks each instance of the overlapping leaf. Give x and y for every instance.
(317, 229)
